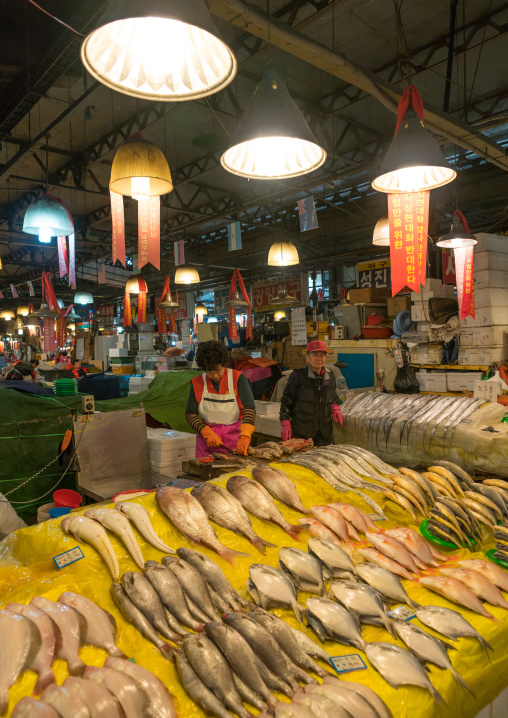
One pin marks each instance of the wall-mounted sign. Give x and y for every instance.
(376, 274)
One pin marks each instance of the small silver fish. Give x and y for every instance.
(303, 569)
(331, 621)
(274, 586)
(279, 484)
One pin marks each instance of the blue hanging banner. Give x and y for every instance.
(234, 236)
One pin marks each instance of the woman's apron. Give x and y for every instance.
(221, 413)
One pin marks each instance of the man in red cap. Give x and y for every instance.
(310, 403)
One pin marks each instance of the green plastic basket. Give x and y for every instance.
(424, 530)
(490, 555)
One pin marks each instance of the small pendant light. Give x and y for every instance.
(73, 316)
(459, 234)
(381, 235)
(186, 274)
(283, 254)
(273, 140)
(155, 50)
(83, 298)
(200, 310)
(44, 312)
(47, 218)
(134, 286)
(236, 301)
(23, 311)
(140, 170)
(168, 302)
(279, 315)
(283, 299)
(7, 314)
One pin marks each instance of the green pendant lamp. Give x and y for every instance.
(47, 218)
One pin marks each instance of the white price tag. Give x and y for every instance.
(403, 613)
(377, 517)
(345, 664)
(68, 557)
(486, 390)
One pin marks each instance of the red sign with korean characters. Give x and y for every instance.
(264, 291)
(464, 268)
(408, 216)
(149, 232)
(118, 227)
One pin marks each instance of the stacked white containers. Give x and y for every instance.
(484, 339)
(168, 449)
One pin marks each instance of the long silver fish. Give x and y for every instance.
(171, 593)
(422, 412)
(450, 412)
(141, 592)
(100, 626)
(19, 639)
(158, 696)
(303, 569)
(388, 585)
(361, 601)
(279, 484)
(433, 413)
(345, 472)
(366, 693)
(223, 508)
(197, 690)
(332, 622)
(369, 469)
(457, 471)
(381, 466)
(70, 626)
(213, 575)
(449, 623)
(274, 586)
(399, 667)
(465, 415)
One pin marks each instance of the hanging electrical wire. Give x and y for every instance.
(55, 18)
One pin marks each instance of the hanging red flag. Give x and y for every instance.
(63, 262)
(149, 232)
(142, 307)
(48, 293)
(72, 261)
(422, 230)
(127, 312)
(48, 328)
(61, 331)
(464, 270)
(233, 328)
(408, 216)
(118, 227)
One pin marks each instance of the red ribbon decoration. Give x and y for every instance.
(127, 309)
(464, 272)
(149, 234)
(127, 312)
(142, 307)
(118, 227)
(48, 327)
(410, 96)
(233, 329)
(61, 331)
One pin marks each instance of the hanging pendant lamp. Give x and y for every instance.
(30, 322)
(283, 299)
(83, 298)
(279, 315)
(44, 312)
(166, 50)
(186, 274)
(283, 254)
(236, 301)
(381, 235)
(459, 234)
(168, 302)
(140, 170)
(72, 316)
(200, 310)
(23, 310)
(273, 140)
(136, 284)
(7, 314)
(47, 218)
(414, 161)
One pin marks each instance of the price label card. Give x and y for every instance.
(486, 390)
(402, 613)
(377, 517)
(345, 664)
(68, 557)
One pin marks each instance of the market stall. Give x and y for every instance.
(28, 570)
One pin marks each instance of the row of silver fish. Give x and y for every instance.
(374, 415)
(119, 689)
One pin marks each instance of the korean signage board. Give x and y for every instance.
(375, 274)
(296, 285)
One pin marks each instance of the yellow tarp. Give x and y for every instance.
(27, 569)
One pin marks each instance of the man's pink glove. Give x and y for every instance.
(286, 430)
(337, 414)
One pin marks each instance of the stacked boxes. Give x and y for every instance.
(168, 449)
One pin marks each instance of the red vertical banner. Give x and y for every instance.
(422, 230)
(149, 232)
(448, 261)
(233, 329)
(49, 334)
(464, 269)
(127, 311)
(160, 313)
(172, 321)
(61, 331)
(63, 262)
(118, 227)
(142, 307)
(72, 261)
(249, 325)
(404, 262)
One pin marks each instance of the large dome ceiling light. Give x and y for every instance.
(273, 140)
(186, 274)
(381, 234)
(47, 217)
(414, 161)
(459, 234)
(283, 254)
(166, 50)
(140, 170)
(83, 298)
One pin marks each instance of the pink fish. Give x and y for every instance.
(414, 543)
(455, 591)
(317, 529)
(352, 532)
(393, 549)
(478, 584)
(374, 556)
(493, 573)
(331, 519)
(353, 516)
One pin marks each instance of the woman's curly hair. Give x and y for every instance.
(210, 355)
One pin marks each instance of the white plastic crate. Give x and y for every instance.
(170, 470)
(267, 407)
(462, 380)
(431, 381)
(496, 261)
(491, 278)
(492, 297)
(171, 446)
(482, 356)
(484, 336)
(118, 352)
(491, 243)
(486, 317)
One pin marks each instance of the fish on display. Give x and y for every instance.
(42, 662)
(332, 622)
(402, 501)
(223, 508)
(495, 574)
(99, 701)
(119, 524)
(393, 549)
(368, 695)
(372, 555)
(440, 530)
(171, 593)
(19, 638)
(449, 623)
(423, 483)
(256, 499)
(399, 667)
(128, 693)
(478, 584)
(455, 591)
(194, 587)
(449, 476)
(86, 530)
(303, 569)
(213, 575)
(310, 647)
(320, 706)
(440, 483)
(158, 696)
(189, 517)
(350, 702)
(100, 626)
(360, 520)
(316, 528)
(279, 484)
(273, 586)
(141, 520)
(383, 581)
(133, 615)
(487, 502)
(427, 648)
(414, 543)
(361, 601)
(197, 690)
(28, 707)
(412, 491)
(332, 519)
(141, 592)
(70, 625)
(332, 557)
(67, 704)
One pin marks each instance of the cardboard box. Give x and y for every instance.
(369, 295)
(482, 356)
(399, 303)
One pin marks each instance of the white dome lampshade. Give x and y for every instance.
(273, 140)
(23, 310)
(136, 284)
(47, 218)
(381, 235)
(167, 50)
(279, 315)
(186, 274)
(200, 310)
(7, 314)
(140, 170)
(83, 298)
(283, 254)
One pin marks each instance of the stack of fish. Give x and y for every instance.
(402, 551)
(501, 536)
(375, 415)
(119, 688)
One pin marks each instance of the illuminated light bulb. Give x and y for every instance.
(186, 274)
(279, 315)
(459, 235)
(45, 235)
(140, 188)
(47, 218)
(283, 254)
(270, 157)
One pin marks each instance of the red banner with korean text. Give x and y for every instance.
(149, 232)
(160, 313)
(48, 328)
(61, 331)
(127, 311)
(118, 227)
(142, 307)
(232, 328)
(464, 270)
(172, 321)
(408, 216)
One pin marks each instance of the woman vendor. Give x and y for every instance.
(220, 407)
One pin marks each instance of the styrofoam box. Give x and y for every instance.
(446, 290)
(431, 381)
(486, 317)
(484, 336)
(118, 352)
(491, 278)
(267, 407)
(423, 354)
(420, 312)
(423, 326)
(490, 260)
(432, 285)
(491, 243)
(492, 297)
(171, 446)
(170, 470)
(482, 356)
(269, 424)
(462, 380)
